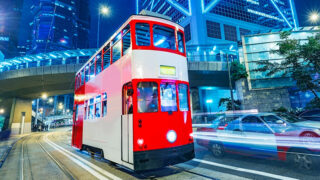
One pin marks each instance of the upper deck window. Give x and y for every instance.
(126, 40)
(143, 34)
(164, 37)
(180, 42)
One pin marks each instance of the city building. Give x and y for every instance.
(59, 25)
(213, 30)
(270, 92)
(10, 15)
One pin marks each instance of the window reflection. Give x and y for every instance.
(147, 97)
(168, 97)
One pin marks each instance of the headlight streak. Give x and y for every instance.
(280, 141)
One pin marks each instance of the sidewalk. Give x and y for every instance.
(6, 146)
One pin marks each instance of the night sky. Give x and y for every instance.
(122, 9)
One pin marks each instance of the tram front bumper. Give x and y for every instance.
(153, 159)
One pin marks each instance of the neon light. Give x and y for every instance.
(53, 56)
(179, 7)
(151, 7)
(210, 6)
(278, 9)
(293, 14)
(137, 6)
(209, 101)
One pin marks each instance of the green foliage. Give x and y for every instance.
(228, 103)
(302, 62)
(281, 109)
(238, 71)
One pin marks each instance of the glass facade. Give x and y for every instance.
(259, 48)
(59, 25)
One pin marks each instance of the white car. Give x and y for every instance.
(299, 121)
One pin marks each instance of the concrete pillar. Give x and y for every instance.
(20, 117)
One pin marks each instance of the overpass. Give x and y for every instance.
(25, 78)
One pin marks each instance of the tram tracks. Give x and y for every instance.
(24, 155)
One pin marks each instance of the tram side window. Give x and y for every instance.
(98, 107)
(76, 112)
(82, 77)
(116, 51)
(164, 37)
(143, 34)
(91, 109)
(126, 40)
(183, 97)
(98, 64)
(106, 57)
(168, 97)
(104, 105)
(87, 73)
(147, 97)
(92, 68)
(180, 42)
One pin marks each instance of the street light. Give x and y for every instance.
(50, 100)
(104, 10)
(314, 17)
(44, 96)
(2, 111)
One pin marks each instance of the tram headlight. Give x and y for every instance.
(140, 142)
(171, 136)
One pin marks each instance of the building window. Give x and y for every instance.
(187, 32)
(230, 33)
(213, 30)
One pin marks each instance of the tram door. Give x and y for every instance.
(126, 124)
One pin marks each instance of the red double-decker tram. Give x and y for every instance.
(132, 98)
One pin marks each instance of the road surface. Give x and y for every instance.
(48, 155)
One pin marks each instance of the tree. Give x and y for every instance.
(302, 62)
(238, 71)
(228, 103)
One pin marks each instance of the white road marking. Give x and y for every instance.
(21, 161)
(244, 170)
(82, 162)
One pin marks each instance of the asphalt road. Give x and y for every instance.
(50, 156)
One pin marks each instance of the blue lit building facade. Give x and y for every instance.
(10, 15)
(213, 31)
(59, 25)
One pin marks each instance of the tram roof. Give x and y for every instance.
(133, 17)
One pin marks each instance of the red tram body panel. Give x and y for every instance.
(132, 98)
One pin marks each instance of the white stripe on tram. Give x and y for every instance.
(244, 170)
(90, 167)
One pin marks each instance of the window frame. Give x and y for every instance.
(151, 46)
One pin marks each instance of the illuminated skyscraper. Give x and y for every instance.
(10, 15)
(212, 21)
(59, 25)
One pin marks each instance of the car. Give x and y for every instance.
(311, 115)
(261, 135)
(296, 120)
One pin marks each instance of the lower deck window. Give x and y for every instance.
(183, 97)
(147, 97)
(168, 97)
